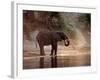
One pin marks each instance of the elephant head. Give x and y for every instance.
(61, 36)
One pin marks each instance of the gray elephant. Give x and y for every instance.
(51, 38)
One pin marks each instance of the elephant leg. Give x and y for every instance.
(42, 50)
(55, 47)
(52, 51)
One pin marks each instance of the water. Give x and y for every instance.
(70, 60)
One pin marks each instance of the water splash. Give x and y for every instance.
(80, 38)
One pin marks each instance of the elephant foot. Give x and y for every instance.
(51, 54)
(42, 54)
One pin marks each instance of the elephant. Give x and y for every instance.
(51, 38)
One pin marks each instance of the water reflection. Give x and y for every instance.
(53, 61)
(56, 61)
(41, 62)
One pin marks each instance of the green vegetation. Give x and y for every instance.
(85, 18)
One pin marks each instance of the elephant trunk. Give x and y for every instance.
(66, 42)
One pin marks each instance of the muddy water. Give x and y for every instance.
(31, 61)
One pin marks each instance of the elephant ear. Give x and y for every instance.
(57, 37)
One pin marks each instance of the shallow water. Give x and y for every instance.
(48, 61)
